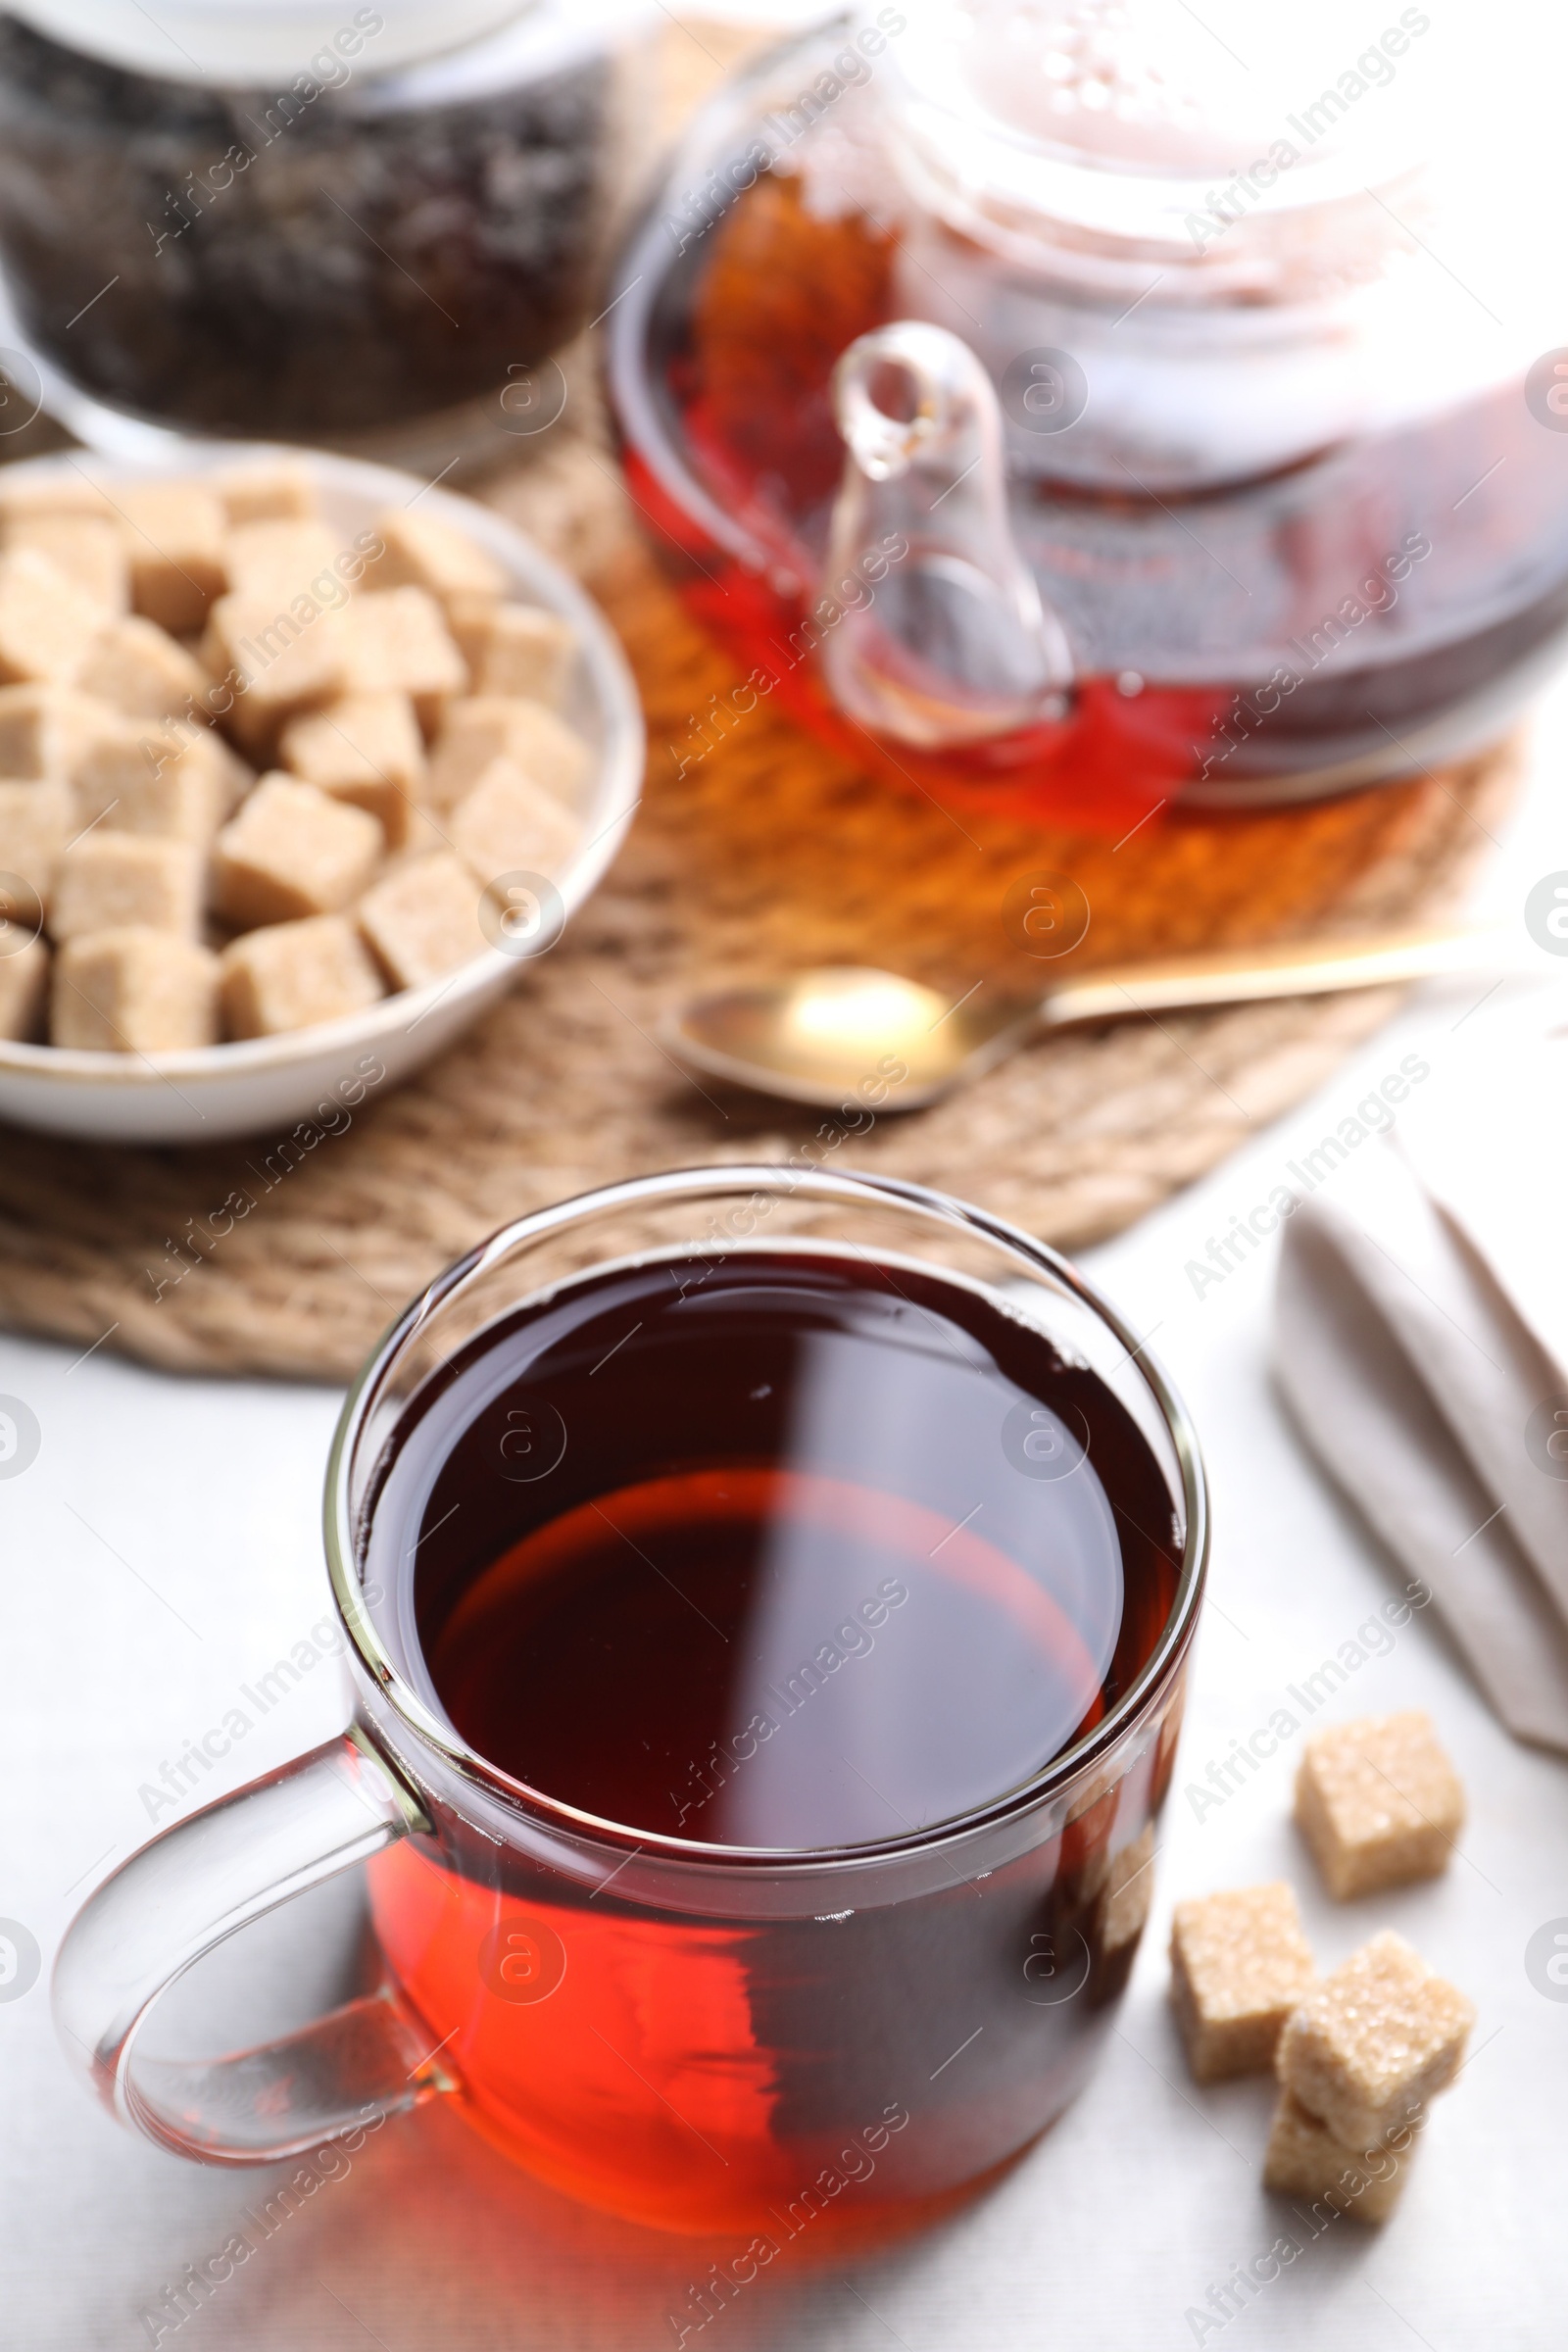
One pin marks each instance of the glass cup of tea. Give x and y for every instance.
(767, 1594)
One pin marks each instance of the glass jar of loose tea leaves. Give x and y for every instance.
(307, 219)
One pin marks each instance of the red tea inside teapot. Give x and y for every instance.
(1049, 407)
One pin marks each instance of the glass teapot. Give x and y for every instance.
(1090, 406)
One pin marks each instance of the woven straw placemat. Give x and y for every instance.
(762, 855)
(766, 854)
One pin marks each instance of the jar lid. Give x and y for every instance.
(243, 43)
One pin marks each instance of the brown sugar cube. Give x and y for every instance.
(291, 852)
(470, 616)
(292, 975)
(1086, 1835)
(86, 549)
(134, 991)
(173, 535)
(187, 742)
(46, 623)
(269, 664)
(49, 730)
(425, 835)
(1304, 2159)
(44, 730)
(1123, 1901)
(277, 490)
(507, 825)
(1378, 1803)
(36, 822)
(1374, 2042)
(423, 920)
(165, 776)
(517, 650)
(279, 557)
(399, 643)
(485, 727)
(69, 492)
(172, 800)
(138, 670)
(24, 982)
(107, 881)
(366, 748)
(1239, 1965)
(423, 550)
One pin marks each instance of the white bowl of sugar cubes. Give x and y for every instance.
(301, 760)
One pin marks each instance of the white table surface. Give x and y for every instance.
(163, 1548)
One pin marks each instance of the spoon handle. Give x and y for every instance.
(1249, 975)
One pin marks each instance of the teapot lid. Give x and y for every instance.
(1137, 117)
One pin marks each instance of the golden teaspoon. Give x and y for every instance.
(819, 1034)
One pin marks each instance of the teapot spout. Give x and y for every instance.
(947, 640)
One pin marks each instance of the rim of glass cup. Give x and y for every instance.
(707, 1183)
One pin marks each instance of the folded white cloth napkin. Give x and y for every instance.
(1421, 1341)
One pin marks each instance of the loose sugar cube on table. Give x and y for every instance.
(290, 853)
(109, 881)
(366, 748)
(134, 991)
(88, 550)
(46, 622)
(280, 491)
(423, 920)
(422, 550)
(44, 730)
(1240, 1964)
(269, 665)
(1374, 2042)
(24, 982)
(399, 643)
(507, 825)
(36, 822)
(495, 727)
(1122, 1905)
(516, 649)
(292, 975)
(138, 670)
(1304, 2159)
(173, 536)
(1378, 1803)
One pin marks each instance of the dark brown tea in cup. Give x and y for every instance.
(792, 1550)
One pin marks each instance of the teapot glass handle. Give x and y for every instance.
(200, 1881)
(936, 633)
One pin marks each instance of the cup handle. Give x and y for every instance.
(200, 1881)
